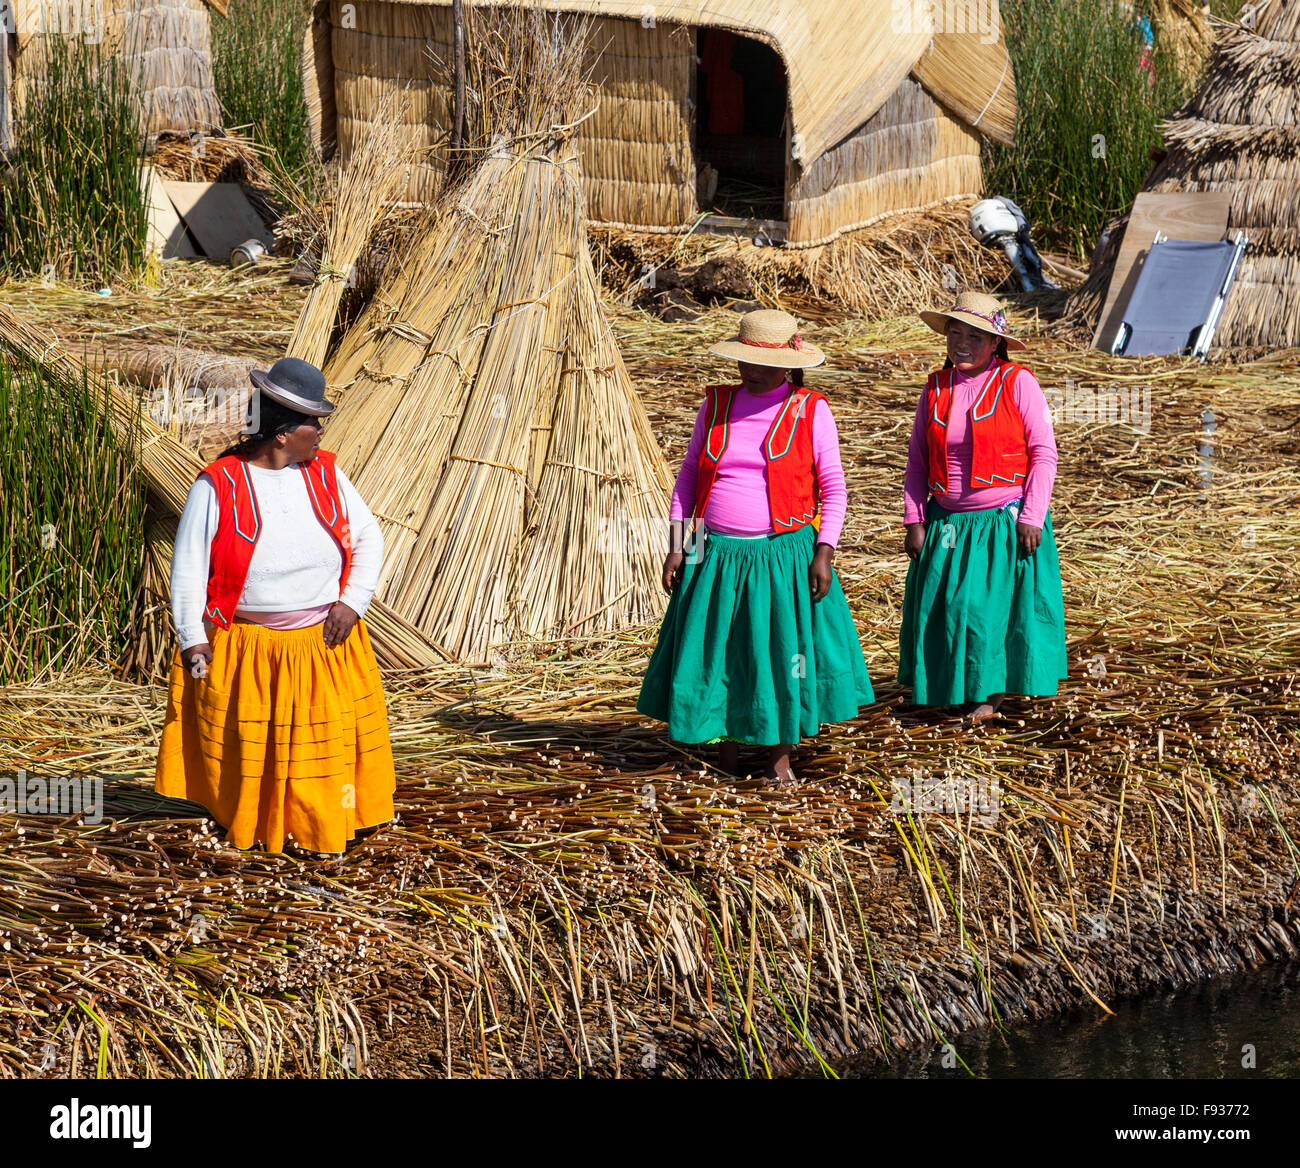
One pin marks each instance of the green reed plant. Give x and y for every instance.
(72, 202)
(257, 70)
(1088, 115)
(72, 507)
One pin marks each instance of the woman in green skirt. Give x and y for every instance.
(982, 610)
(758, 645)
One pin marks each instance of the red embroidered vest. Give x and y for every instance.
(792, 494)
(239, 524)
(999, 453)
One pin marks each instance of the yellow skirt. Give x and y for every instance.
(283, 739)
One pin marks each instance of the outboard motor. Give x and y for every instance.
(998, 222)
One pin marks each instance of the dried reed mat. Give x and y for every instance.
(366, 185)
(568, 893)
(486, 414)
(245, 312)
(900, 264)
(170, 468)
(1239, 134)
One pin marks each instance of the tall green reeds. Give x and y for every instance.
(1088, 115)
(257, 70)
(72, 506)
(72, 202)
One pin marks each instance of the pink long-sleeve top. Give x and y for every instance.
(738, 502)
(1037, 487)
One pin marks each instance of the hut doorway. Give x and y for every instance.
(740, 123)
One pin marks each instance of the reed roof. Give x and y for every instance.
(842, 60)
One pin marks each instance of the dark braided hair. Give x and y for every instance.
(1001, 355)
(272, 418)
(796, 378)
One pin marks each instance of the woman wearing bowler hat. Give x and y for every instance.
(276, 720)
(758, 645)
(982, 608)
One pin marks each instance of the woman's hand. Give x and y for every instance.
(819, 575)
(338, 625)
(1028, 537)
(197, 658)
(672, 570)
(914, 540)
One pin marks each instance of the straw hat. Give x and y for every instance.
(770, 337)
(974, 308)
(294, 383)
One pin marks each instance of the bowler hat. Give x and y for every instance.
(294, 383)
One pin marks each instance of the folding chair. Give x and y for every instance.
(1179, 297)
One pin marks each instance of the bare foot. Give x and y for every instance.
(781, 776)
(985, 710)
(778, 767)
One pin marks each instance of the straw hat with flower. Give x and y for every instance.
(770, 337)
(974, 308)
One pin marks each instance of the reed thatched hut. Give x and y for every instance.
(166, 44)
(836, 114)
(1240, 133)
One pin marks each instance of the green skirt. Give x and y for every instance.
(745, 652)
(979, 619)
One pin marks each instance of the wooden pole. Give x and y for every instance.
(6, 136)
(458, 91)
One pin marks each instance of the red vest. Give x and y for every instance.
(792, 494)
(1000, 455)
(239, 524)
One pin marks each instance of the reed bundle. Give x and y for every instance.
(1182, 29)
(567, 893)
(486, 414)
(366, 185)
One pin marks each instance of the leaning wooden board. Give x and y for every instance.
(1184, 215)
(167, 234)
(218, 215)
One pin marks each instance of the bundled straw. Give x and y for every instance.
(487, 415)
(365, 187)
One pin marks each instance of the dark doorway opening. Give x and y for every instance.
(740, 126)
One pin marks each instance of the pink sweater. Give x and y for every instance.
(1037, 487)
(738, 502)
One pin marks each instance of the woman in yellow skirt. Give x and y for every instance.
(276, 720)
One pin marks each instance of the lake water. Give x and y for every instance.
(1197, 1033)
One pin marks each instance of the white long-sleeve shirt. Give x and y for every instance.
(296, 563)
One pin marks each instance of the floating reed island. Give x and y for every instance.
(567, 893)
(564, 892)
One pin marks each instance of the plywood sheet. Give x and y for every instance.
(219, 215)
(167, 234)
(1185, 215)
